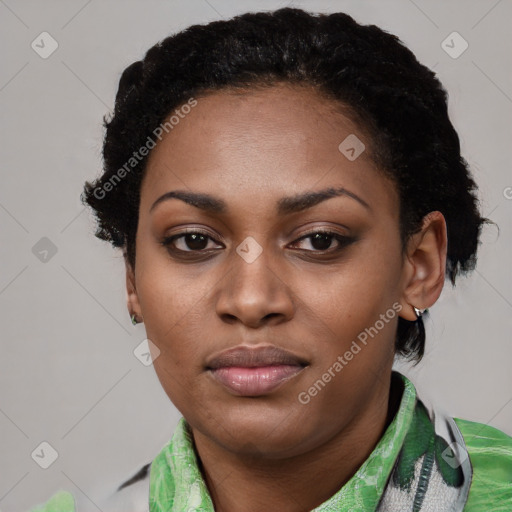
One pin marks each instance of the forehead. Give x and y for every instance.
(280, 140)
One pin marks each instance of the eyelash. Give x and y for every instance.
(342, 240)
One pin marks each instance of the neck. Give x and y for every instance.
(299, 483)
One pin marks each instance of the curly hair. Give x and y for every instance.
(399, 102)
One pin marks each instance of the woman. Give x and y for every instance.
(289, 195)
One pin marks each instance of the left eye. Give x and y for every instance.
(322, 240)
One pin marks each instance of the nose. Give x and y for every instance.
(254, 293)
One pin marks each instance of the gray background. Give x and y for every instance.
(68, 375)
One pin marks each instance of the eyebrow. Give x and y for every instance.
(300, 202)
(285, 205)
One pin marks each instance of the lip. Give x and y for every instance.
(254, 371)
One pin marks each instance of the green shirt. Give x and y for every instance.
(408, 447)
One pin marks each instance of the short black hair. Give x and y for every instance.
(394, 98)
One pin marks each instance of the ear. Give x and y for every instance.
(425, 265)
(131, 290)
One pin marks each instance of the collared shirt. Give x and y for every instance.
(420, 464)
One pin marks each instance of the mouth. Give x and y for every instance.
(254, 371)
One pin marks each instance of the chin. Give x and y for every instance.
(260, 430)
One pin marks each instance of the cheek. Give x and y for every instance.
(355, 292)
(174, 310)
(349, 313)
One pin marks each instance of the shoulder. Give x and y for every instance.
(490, 454)
(490, 449)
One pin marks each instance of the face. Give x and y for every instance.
(265, 260)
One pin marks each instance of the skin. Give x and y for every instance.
(251, 149)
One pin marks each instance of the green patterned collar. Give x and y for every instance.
(177, 485)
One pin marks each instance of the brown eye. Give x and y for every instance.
(189, 242)
(194, 241)
(322, 241)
